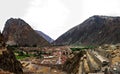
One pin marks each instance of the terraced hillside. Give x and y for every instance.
(103, 60)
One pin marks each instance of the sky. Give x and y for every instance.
(55, 17)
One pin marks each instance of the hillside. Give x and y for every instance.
(96, 30)
(50, 40)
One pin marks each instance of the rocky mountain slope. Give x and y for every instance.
(96, 30)
(18, 32)
(50, 40)
(8, 62)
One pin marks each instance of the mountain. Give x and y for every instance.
(50, 40)
(18, 32)
(96, 30)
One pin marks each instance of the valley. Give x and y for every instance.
(91, 47)
(71, 60)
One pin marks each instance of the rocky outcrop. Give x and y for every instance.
(50, 40)
(8, 62)
(96, 30)
(18, 32)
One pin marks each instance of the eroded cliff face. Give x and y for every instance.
(18, 32)
(96, 30)
(8, 62)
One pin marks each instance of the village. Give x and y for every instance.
(101, 60)
(51, 60)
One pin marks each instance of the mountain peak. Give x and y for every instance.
(103, 17)
(15, 21)
(17, 31)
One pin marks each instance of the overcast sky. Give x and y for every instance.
(54, 17)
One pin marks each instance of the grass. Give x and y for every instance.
(20, 57)
(23, 56)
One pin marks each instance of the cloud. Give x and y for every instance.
(101, 7)
(54, 17)
(48, 16)
(12, 8)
